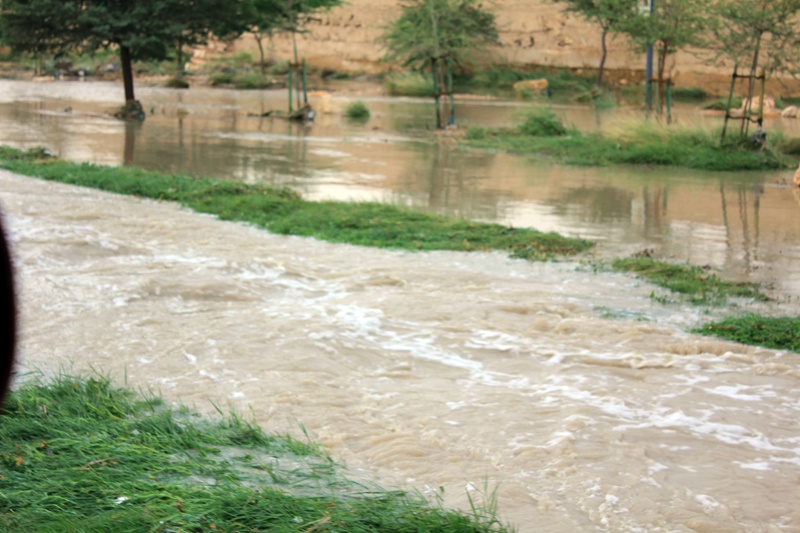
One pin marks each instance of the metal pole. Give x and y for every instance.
(648, 69)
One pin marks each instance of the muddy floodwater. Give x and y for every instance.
(582, 401)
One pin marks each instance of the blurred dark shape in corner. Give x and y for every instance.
(8, 315)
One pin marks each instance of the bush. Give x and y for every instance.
(250, 80)
(222, 77)
(689, 93)
(722, 104)
(542, 123)
(281, 68)
(176, 83)
(409, 84)
(357, 110)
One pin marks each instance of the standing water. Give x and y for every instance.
(574, 395)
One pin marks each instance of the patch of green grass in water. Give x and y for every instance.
(781, 333)
(697, 283)
(646, 144)
(285, 212)
(77, 454)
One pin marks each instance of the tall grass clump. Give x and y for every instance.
(250, 80)
(357, 110)
(542, 122)
(221, 77)
(78, 454)
(409, 84)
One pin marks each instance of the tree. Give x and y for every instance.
(757, 33)
(194, 21)
(610, 15)
(437, 33)
(263, 18)
(673, 25)
(266, 18)
(144, 29)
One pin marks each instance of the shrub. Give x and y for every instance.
(542, 123)
(222, 77)
(281, 68)
(176, 83)
(357, 110)
(250, 80)
(689, 93)
(721, 104)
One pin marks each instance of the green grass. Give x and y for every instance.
(699, 285)
(641, 144)
(77, 454)
(781, 333)
(285, 212)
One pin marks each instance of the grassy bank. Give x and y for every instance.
(285, 212)
(780, 333)
(541, 132)
(82, 455)
(699, 285)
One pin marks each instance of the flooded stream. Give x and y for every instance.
(581, 400)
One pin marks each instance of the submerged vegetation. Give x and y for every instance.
(78, 454)
(285, 212)
(542, 132)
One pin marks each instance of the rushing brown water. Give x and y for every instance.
(576, 396)
(583, 402)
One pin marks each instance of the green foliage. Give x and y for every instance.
(699, 284)
(610, 15)
(221, 77)
(357, 110)
(721, 104)
(282, 211)
(409, 84)
(781, 333)
(689, 93)
(141, 30)
(440, 29)
(250, 80)
(78, 454)
(757, 33)
(176, 83)
(281, 68)
(542, 122)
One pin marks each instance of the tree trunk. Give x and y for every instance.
(180, 59)
(662, 63)
(127, 72)
(260, 40)
(602, 57)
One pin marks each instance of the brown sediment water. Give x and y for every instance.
(575, 396)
